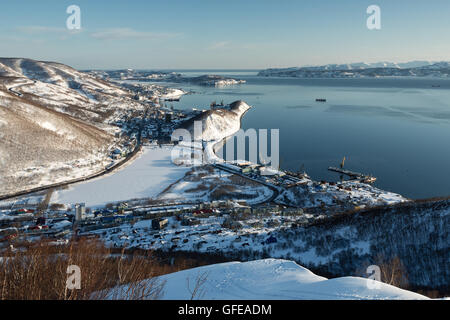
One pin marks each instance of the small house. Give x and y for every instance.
(159, 224)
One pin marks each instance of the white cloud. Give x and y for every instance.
(33, 30)
(128, 33)
(219, 45)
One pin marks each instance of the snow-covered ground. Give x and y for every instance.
(206, 183)
(146, 176)
(220, 124)
(57, 123)
(208, 130)
(341, 194)
(273, 279)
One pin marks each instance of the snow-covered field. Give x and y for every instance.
(206, 183)
(146, 176)
(274, 279)
(346, 193)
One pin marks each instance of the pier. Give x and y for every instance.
(356, 175)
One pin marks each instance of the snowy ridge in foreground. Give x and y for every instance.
(275, 279)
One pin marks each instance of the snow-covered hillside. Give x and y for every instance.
(273, 279)
(212, 80)
(341, 244)
(39, 144)
(55, 122)
(216, 125)
(64, 89)
(340, 196)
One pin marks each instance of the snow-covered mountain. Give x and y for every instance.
(216, 125)
(362, 69)
(271, 279)
(55, 122)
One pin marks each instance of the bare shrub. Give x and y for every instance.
(198, 188)
(39, 271)
(223, 192)
(198, 291)
(393, 272)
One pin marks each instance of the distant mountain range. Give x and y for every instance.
(362, 69)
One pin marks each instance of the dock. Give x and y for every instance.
(356, 175)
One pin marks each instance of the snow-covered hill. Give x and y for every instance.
(415, 233)
(66, 90)
(148, 75)
(216, 125)
(273, 279)
(55, 122)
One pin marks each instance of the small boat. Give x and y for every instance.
(321, 100)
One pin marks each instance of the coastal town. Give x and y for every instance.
(147, 189)
(145, 222)
(224, 150)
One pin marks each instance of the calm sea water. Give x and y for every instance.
(396, 129)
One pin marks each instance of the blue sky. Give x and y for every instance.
(190, 34)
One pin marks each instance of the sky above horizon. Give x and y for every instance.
(232, 34)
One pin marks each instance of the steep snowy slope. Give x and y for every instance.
(54, 73)
(54, 122)
(39, 144)
(64, 89)
(416, 233)
(274, 279)
(218, 123)
(211, 126)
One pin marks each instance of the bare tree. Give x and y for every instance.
(39, 271)
(198, 290)
(393, 272)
